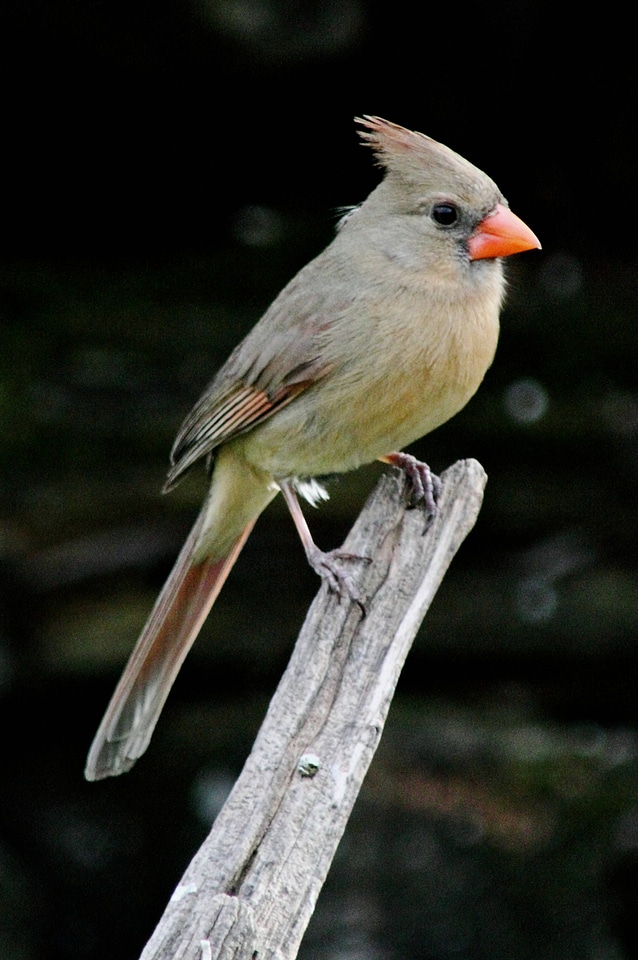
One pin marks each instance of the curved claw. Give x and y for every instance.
(426, 486)
(327, 565)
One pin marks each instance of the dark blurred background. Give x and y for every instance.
(165, 168)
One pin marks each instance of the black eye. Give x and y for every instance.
(445, 214)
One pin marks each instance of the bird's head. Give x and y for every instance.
(434, 202)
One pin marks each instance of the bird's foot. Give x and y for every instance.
(426, 486)
(329, 566)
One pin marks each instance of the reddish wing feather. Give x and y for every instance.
(213, 422)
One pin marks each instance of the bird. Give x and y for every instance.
(381, 338)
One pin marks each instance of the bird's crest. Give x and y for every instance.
(389, 140)
(412, 155)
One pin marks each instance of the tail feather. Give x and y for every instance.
(170, 631)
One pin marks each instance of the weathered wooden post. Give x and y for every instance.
(250, 891)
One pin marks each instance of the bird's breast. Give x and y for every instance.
(410, 366)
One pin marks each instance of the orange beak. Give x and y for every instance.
(499, 234)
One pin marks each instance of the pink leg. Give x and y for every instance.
(327, 565)
(426, 486)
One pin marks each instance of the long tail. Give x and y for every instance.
(173, 625)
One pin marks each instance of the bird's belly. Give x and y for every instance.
(394, 386)
(344, 425)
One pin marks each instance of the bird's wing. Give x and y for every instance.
(250, 388)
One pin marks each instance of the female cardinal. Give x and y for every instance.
(381, 338)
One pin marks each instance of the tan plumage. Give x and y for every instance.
(377, 341)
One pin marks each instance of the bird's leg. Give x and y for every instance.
(426, 486)
(327, 565)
